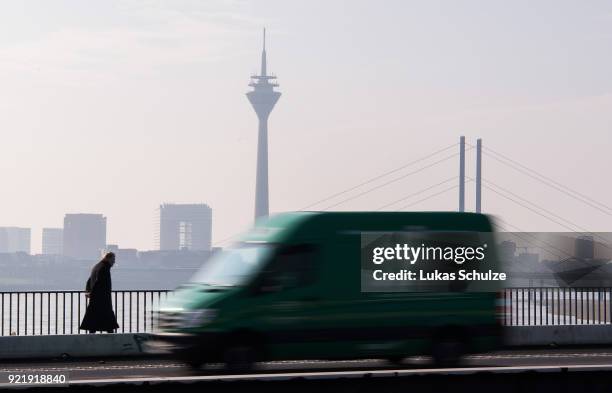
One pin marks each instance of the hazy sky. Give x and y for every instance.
(115, 107)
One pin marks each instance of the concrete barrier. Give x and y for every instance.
(78, 345)
(133, 344)
(517, 336)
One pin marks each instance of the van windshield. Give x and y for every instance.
(233, 266)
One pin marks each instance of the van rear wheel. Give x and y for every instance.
(192, 358)
(447, 352)
(194, 364)
(396, 360)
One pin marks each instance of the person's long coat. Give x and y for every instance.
(99, 315)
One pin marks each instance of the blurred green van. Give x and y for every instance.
(291, 289)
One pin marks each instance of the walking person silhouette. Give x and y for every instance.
(99, 315)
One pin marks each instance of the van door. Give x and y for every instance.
(285, 301)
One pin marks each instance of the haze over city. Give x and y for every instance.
(117, 107)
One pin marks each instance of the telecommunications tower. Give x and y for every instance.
(262, 98)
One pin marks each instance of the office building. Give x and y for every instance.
(52, 241)
(185, 227)
(84, 236)
(14, 239)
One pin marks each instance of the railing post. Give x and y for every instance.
(123, 311)
(18, 301)
(79, 311)
(541, 322)
(116, 305)
(56, 311)
(10, 312)
(40, 311)
(144, 312)
(71, 313)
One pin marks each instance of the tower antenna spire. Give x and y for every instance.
(264, 71)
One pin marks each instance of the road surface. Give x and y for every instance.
(138, 371)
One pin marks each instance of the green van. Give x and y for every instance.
(291, 289)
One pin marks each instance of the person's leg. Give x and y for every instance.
(92, 332)
(109, 331)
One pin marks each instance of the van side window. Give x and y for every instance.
(293, 266)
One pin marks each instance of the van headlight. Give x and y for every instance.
(196, 318)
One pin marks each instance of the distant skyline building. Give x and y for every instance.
(584, 247)
(185, 227)
(15, 239)
(52, 241)
(122, 255)
(84, 236)
(262, 98)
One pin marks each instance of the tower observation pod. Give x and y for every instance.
(262, 98)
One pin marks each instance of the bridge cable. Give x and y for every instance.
(431, 196)
(580, 229)
(392, 181)
(605, 242)
(551, 185)
(377, 177)
(416, 193)
(535, 211)
(550, 179)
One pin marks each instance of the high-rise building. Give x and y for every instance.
(52, 241)
(84, 236)
(14, 239)
(185, 227)
(262, 98)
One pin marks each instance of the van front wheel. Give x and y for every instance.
(239, 358)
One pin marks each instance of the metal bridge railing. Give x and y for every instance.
(557, 306)
(61, 312)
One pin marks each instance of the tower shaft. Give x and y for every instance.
(261, 182)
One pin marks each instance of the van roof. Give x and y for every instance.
(283, 227)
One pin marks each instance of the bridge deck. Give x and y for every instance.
(113, 371)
